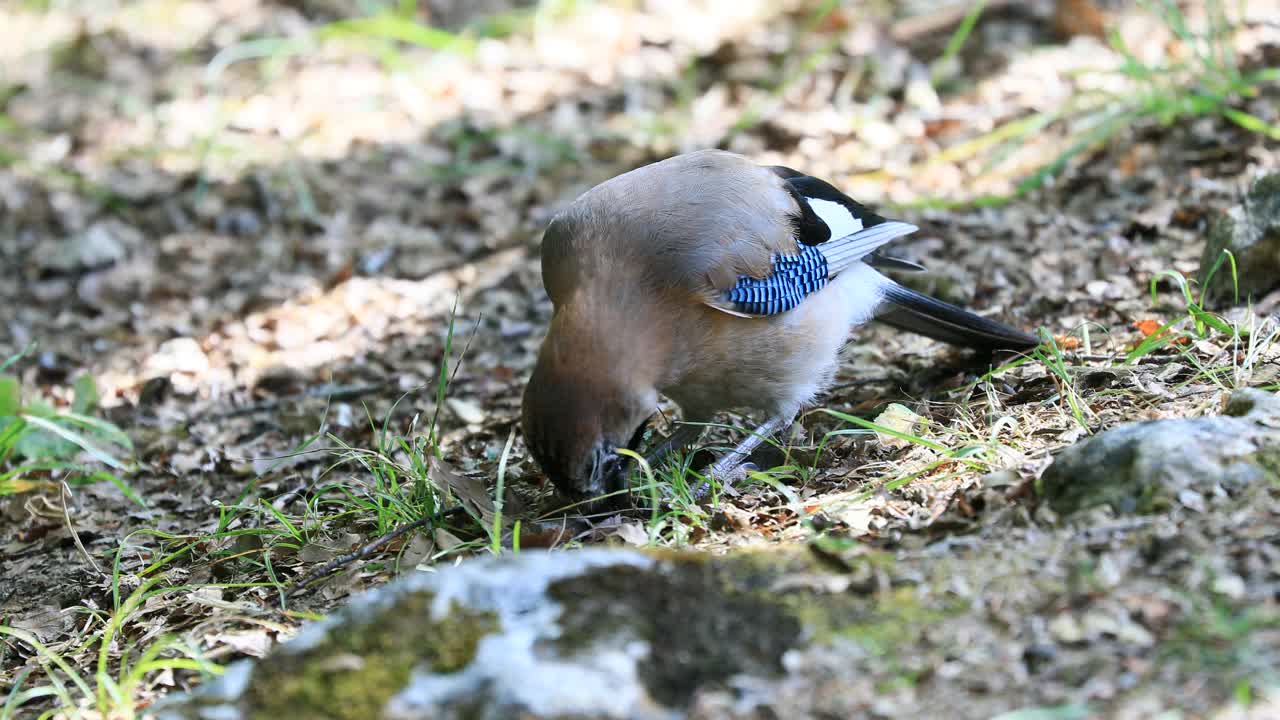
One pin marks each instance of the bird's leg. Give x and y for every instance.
(682, 437)
(730, 466)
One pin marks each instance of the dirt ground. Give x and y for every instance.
(249, 231)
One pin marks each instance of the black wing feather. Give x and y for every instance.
(904, 309)
(909, 310)
(811, 230)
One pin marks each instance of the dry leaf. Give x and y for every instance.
(1148, 327)
(632, 533)
(470, 491)
(248, 642)
(316, 553)
(896, 417)
(446, 540)
(420, 549)
(1151, 327)
(740, 519)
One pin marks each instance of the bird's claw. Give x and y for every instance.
(726, 477)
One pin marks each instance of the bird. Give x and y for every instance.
(722, 284)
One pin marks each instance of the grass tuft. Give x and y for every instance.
(1207, 83)
(42, 446)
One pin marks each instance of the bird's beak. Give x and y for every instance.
(610, 480)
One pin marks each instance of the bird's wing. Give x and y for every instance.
(830, 231)
(827, 213)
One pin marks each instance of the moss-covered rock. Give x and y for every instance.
(594, 633)
(351, 674)
(1251, 232)
(692, 644)
(1150, 467)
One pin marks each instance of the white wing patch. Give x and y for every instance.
(837, 217)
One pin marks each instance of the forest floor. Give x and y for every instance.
(267, 233)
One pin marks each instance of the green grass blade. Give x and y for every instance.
(252, 50)
(855, 420)
(495, 535)
(107, 430)
(958, 38)
(81, 441)
(393, 27)
(10, 396)
(1153, 342)
(1252, 123)
(14, 358)
(46, 653)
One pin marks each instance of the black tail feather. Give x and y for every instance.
(909, 310)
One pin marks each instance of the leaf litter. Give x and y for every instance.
(213, 241)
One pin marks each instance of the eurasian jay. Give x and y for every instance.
(722, 284)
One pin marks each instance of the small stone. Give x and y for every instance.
(1065, 628)
(1191, 500)
(1108, 572)
(1098, 624)
(154, 391)
(1038, 656)
(240, 222)
(1132, 633)
(1251, 232)
(466, 410)
(179, 355)
(1146, 467)
(1229, 586)
(104, 243)
(920, 92)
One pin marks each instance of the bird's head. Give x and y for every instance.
(579, 408)
(574, 432)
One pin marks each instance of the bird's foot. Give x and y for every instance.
(725, 476)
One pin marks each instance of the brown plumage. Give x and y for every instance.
(638, 269)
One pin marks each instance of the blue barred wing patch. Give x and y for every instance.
(794, 277)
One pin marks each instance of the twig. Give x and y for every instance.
(66, 516)
(337, 563)
(1115, 358)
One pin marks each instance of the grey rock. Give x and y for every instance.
(593, 633)
(104, 243)
(456, 14)
(1251, 231)
(1152, 466)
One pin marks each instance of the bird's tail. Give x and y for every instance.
(909, 310)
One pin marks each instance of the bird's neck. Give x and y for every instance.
(613, 336)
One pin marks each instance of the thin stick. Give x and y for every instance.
(1114, 358)
(337, 563)
(66, 516)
